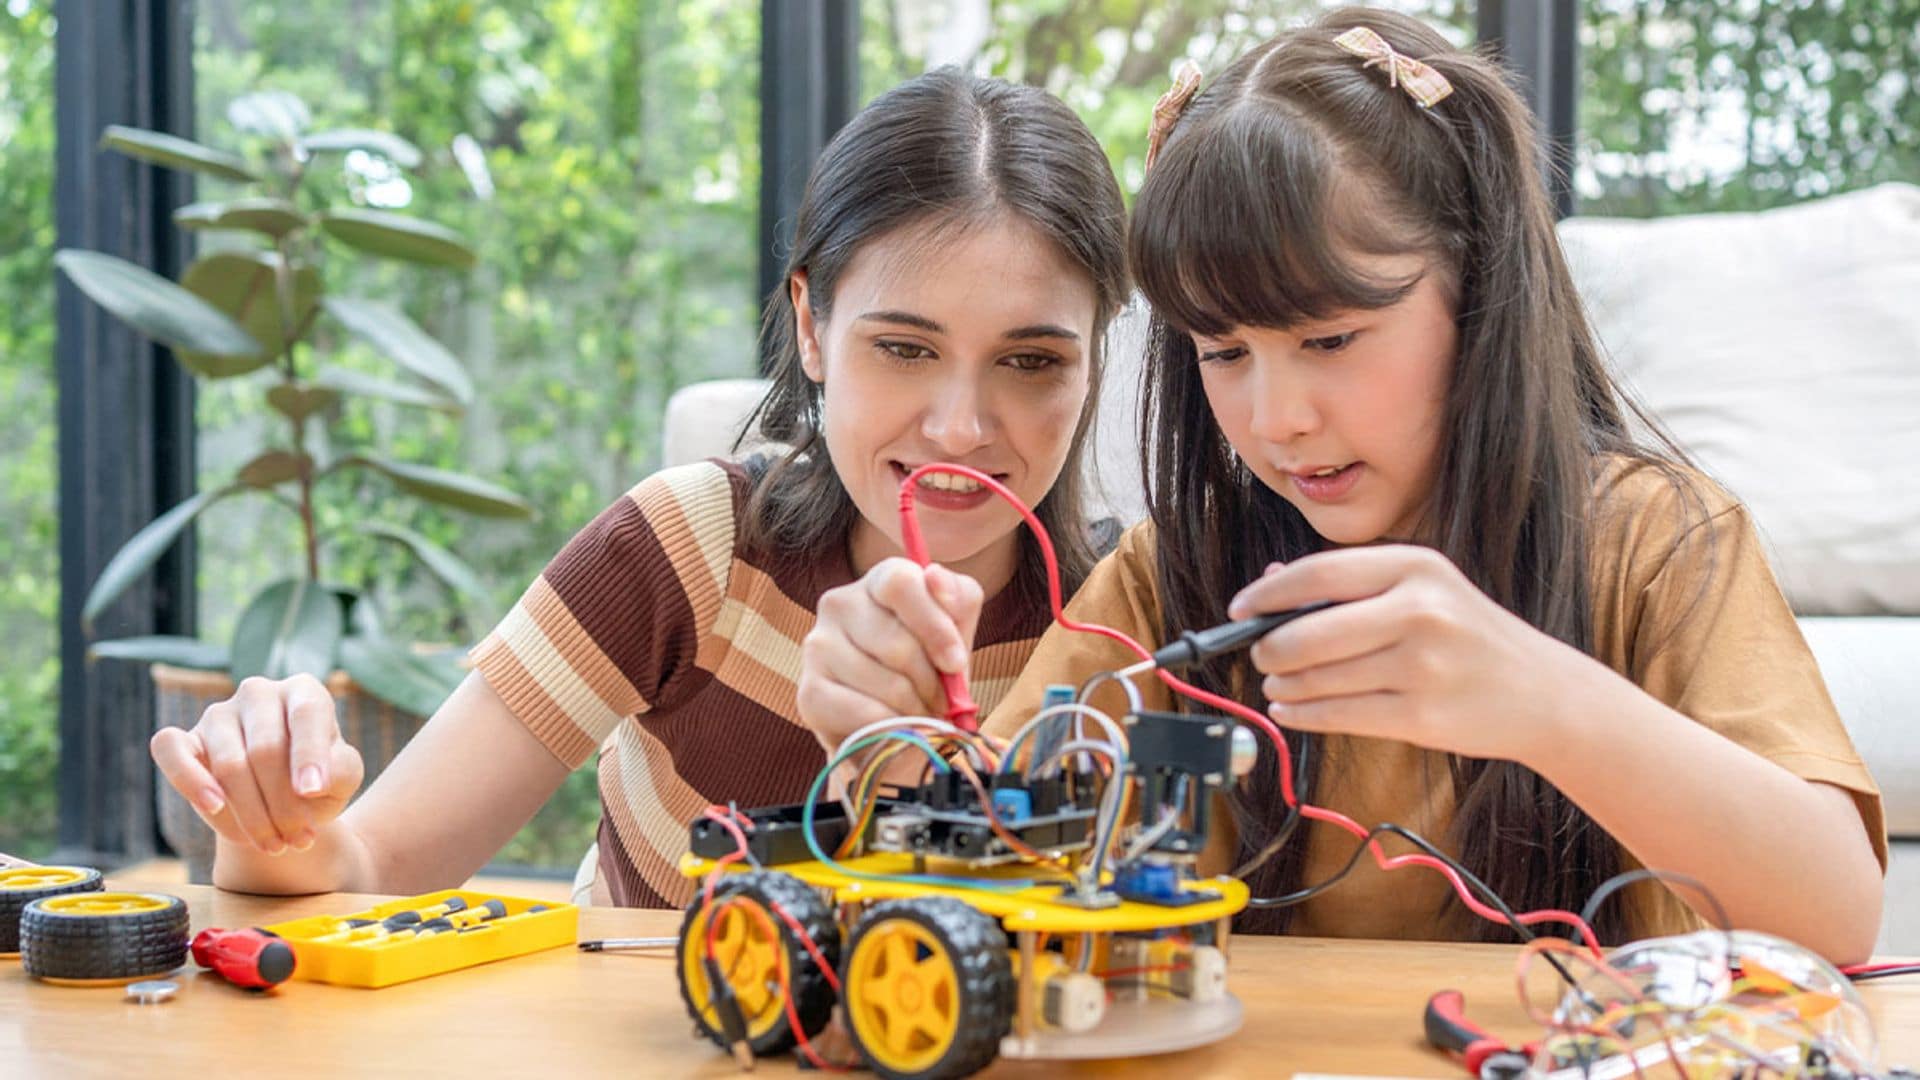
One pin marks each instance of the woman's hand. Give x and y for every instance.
(880, 644)
(1417, 654)
(266, 767)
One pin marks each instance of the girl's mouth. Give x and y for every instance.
(1326, 486)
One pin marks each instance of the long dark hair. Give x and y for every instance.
(1295, 158)
(949, 150)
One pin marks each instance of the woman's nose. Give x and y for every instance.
(959, 420)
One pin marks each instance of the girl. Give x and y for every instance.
(1560, 652)
(957, 257)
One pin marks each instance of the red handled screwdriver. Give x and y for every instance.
(253, 958)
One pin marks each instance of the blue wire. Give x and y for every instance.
(813, 842)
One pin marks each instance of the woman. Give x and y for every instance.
(957, 256)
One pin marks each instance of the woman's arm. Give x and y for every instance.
(458, 791)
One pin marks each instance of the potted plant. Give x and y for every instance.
(253, 306)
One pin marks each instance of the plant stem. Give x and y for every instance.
(289, 376)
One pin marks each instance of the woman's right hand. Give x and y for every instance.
(267, 767)
(878, 646)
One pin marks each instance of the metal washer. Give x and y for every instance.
(152, 991)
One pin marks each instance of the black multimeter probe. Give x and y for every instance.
(1193, 646)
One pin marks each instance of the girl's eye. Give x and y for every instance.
(1331, 344)
(905, 350)
(1033, 361)
(1223, 355)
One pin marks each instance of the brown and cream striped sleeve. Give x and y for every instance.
(611, 627)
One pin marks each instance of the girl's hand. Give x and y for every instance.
(267, 767)
(879, 644)
(1416, 654)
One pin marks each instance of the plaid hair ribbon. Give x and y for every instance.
(1422, 83)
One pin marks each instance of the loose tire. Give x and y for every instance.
(929, 988)
(103, 938)
(752, 961)
(22, 885)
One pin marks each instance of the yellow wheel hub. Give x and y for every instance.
(752, 962)
(103, 903)
(38, 877)
(903, 995)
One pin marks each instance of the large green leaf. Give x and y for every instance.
(462, 492)
(293, 626)
(394, 674)
(445, 565)
(401, 340)
(143, 550)
(272, 216)
(183, 652)
(272, 467)
(241, 284)
(296, 401)
(398, 236)
(156, 307)
(347, 381)
(275, 114)
(175, 152)
(385, 143)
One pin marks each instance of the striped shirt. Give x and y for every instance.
(656, 638)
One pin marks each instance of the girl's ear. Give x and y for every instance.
(805, 332)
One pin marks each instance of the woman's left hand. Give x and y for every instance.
(1417, 653)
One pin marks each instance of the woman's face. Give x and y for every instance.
(971, 346)
(1342, 417)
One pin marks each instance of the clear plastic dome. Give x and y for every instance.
(1720, 1002)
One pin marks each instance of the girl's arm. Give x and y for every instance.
(1419, 654)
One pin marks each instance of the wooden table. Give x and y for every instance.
(1315, 1006)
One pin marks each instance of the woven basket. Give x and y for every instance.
(373, 727)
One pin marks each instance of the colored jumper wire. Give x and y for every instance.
(963, 713)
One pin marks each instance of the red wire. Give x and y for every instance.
(916, 548)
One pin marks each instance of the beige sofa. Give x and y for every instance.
(1783, 350)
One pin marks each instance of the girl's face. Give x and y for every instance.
(972, 347)
(1342, 417)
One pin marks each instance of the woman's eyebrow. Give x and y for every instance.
(903, 318)
(1018, 333)
(1040, 330)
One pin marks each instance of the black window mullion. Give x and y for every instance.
(809, 88)
(1540, 41)
(126, 440)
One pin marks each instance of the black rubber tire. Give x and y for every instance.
(988, 992)
(813, 996)
(16, 893)
(87, 947)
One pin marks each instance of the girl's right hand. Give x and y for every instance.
(878, 647)
(267, 767)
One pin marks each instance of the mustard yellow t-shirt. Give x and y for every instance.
(1684, 605)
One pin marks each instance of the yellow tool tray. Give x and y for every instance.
(374, 963)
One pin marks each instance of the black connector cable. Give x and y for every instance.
(1193, 646)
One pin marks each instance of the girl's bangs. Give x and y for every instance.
(1247, 220)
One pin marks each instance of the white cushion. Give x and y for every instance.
(1782, 349)
(1869, 666)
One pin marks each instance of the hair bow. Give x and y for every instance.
(1166, 111)
(1422, 83)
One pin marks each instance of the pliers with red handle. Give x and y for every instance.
(1485, 1056)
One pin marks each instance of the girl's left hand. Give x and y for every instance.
(1417, 654)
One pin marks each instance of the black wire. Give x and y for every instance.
(1287, 824)
(1622, 880)
(1486, 892)
(1886, 973)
